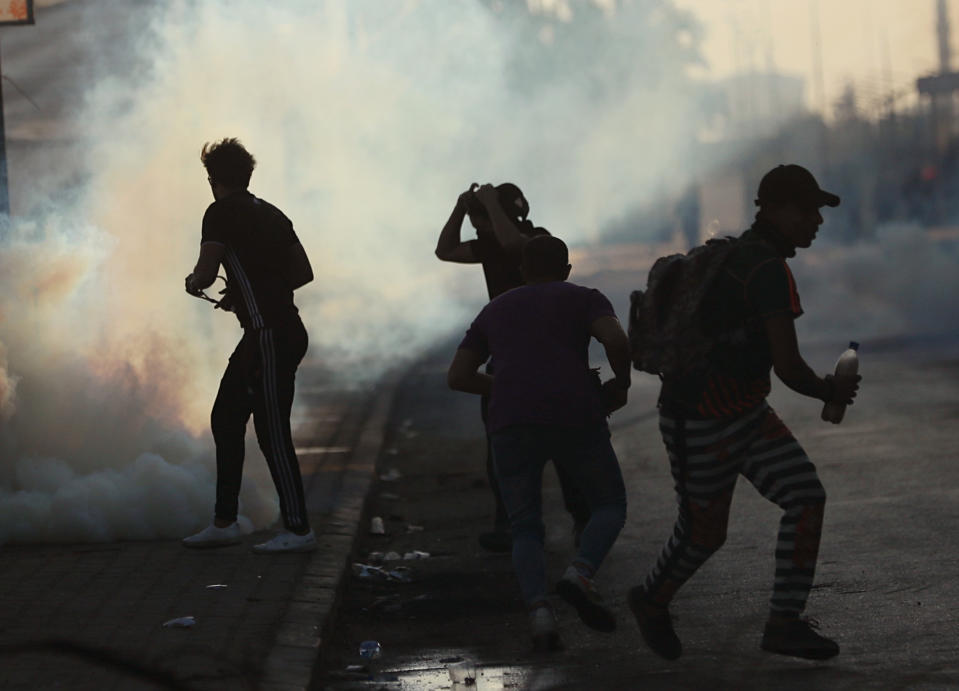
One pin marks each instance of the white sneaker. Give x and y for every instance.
(287, 542)
(211, 536)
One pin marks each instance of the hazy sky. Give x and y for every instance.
(868, 42)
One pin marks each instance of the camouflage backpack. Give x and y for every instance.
(667, 334)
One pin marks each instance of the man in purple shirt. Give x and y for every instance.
(546, 403)
(499, 215)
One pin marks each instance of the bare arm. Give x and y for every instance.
(792, 369)
(450, 247)
(463, 374)
(207, 264)
(507, 234)
(608, 331)
(298, 269)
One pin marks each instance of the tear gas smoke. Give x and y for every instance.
(367, 120)
(903, 284)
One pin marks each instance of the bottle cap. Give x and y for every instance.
(854, 345)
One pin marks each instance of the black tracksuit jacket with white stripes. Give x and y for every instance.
(257, 237)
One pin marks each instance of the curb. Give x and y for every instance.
(295, 655)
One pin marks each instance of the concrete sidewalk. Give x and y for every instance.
(89, 616)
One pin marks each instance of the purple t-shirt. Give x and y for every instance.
(538, 335)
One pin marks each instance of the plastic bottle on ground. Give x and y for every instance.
(846, 365)
(370, 650)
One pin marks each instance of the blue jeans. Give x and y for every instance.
(587, 457)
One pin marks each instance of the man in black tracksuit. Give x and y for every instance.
(264, 263)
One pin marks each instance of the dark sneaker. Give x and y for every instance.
(798, 638)
(655, 624)
(499, 541)
(581, 593)
(542, 624)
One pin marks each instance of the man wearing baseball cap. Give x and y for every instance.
(717, 425)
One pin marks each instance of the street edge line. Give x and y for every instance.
(305, 627)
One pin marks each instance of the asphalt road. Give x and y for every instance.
(885, 585)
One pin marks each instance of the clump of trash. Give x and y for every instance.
(391, 475)
(400, 574)
(462, 672)
(406, 429)
(369, 571)
(378, 558)
(376, 526)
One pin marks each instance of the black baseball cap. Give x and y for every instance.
(792, 183)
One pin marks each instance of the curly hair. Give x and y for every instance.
(228, 163)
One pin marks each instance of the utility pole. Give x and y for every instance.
(818, 81)
(17, 12)
(819, 86)
(942, 34)
(889, 86)
(4, 186)
(942, 102)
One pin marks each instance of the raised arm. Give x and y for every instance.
(507, 234)
(450, 247)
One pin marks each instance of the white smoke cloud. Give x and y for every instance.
(903, 284)
(96, 436)
(367, 119)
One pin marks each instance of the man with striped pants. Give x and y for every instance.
(264, 263)
(717, 424)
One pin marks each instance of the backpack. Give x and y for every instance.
(667, 334)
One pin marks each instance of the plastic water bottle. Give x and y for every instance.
(846, 365)
(370, 650)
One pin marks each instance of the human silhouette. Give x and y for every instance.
(717, 425)
(264, 263)
(546, 403)
(499, 215)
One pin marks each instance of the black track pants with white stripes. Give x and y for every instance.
(706, 458)
(259, 380)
